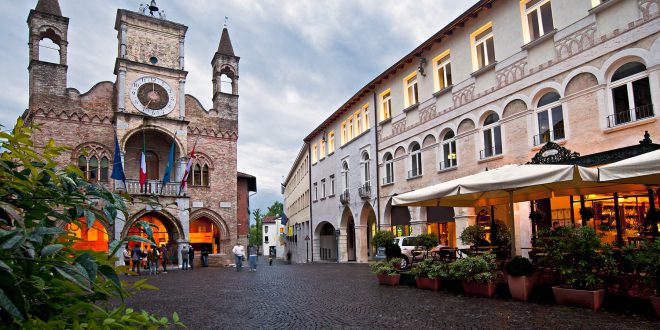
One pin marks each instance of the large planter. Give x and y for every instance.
(521, 286)
(428, 283)
(582, 298)
(479, 289)
(656, 304)
(388, 279)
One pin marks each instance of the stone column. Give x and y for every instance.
(121, 90)
(361, 244)
(523, 228)
(182, 99)
(417, 224)
(181, 53)
(464, 217)
(122, 37)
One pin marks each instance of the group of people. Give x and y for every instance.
(239, 256)
(149, 257)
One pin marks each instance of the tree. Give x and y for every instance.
(44, 282)
(277, 209)
(255, 230)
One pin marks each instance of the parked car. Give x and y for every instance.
(408, 244)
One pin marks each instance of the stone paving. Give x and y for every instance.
(346, 296)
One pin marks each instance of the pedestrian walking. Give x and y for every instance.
(252, 253)
(163, 256)
(205, 257)
(184, 257)
(136, 256)
(191, 257)
(127, 257)
(152, 261)
(239, 254)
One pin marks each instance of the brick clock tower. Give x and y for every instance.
(150, 112)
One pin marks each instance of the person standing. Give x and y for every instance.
(239, 254)
(252, 252)
(184, 257)
(205, 257)
(136, 256)
(127, 257)
(164, 255)
(152, 260)
(191, 257)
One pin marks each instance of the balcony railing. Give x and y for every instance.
(548, 136)
(152, 188)
(487, 153)
(345, 197)
(632, 115)
(415, 172)
(447, 164)
(365, 190)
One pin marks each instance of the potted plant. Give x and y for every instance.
(583, 262)
(385, 239)
(647, 260)
(477, 274)
(427, 242)
(520, 278)
(428, 274)
(474, 235)
(386, 272)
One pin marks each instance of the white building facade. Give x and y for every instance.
(273, 237)
(296, 207)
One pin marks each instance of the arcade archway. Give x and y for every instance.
(368, 222)
(327, 241)
(94, 238)
(204, 234)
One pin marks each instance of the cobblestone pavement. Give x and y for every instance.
(346, 296)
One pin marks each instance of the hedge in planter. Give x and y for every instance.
(386, 272)
(385, 238)
(583, 262)
(477, 274)
(520, 279)
(428, 274)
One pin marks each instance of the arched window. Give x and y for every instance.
(205, 175)
(197, 175)
(93, 166)
(631, 94)
(366, 171)
(104, 169)
(415, 161)
(344, 172)
(449, 158)
(550, 119)
(492, 137)
(82, 165)
(389, 168)
(49, 51)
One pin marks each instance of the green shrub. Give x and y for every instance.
(426, 241)
(439, 270)
(385, 267)
(44, 282)
(422, 268)
(474, 235)
(382, 238)
(480, 269)
(520, 266)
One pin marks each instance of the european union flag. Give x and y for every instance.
(284, 220)
(117, 167)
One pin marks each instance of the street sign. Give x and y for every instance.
(307, 238)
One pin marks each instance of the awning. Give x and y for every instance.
(642, 169)
(439, 214)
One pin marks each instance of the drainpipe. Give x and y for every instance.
(311, 220)
(377, 157)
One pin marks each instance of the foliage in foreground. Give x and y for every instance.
(44, 282)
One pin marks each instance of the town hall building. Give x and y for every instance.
(146, 106)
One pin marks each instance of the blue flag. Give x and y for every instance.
(284, 219)
(168, 169)
(117, 167)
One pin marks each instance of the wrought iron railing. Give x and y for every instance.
(632, 115)
(487, 153)
(548, 136)
(415, 172)
(447, 164)
(365, 190)
(345, 197)
(388, 179)
(151, 187)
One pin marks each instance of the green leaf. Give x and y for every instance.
(13, 213)
(73, 275)
(88, 262)
(50, 249)
(90, 218)
(175, 317)
(50, 231)
(5, 267)
(9, 306)
(13, 241)
(134, 238)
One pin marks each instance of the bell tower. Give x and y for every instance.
(225, 83)
(46, 22)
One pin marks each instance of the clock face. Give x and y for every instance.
(152, 96)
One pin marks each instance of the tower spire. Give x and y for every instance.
(225, 47)
(49, 7)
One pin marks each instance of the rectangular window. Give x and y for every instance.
(266, 229)
(538, 14)
(343, 133)
(483, 52)
(322, 149)
(442, 65)
(314, 154)
(332, 185)
(316, 192)
(386, 105)
(411, 90)
(358, 123)
(322, 188)
(349, 134)
(365, 117)
(331, 142)
(265, 239)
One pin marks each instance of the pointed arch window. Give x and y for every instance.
(492, 133)
(94, 170)
(631, 94)
(205, 175)
(104, 169)
(197, 175)
(449, 158)
(82, 165)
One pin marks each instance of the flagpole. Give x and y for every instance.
(187, 172)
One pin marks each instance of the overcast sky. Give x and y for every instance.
(300, 60)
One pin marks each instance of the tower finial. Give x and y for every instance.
(226, 19)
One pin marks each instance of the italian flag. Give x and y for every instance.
(143, 169)
(184, 181)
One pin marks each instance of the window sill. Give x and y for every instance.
(539, 40)
(453, 168)
(314, 163)
(322, 198)
(483, 70)
(415, 177)
(355, 138)
(443, 91)
(602, 6)
(630, 125)
(322, 159)
(560, 142)
(314, 201)
(330, 196)
(385, 121)
(330, 153)
(411, 108)
(490, 159)
(387, 184)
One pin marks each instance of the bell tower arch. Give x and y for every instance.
(225, 83)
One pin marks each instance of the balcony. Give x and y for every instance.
(345, 197)
(153, 187)
(548, 136)
(448, 164)
(365, 190)
(414, 173)
(629, 116)
(388, 180)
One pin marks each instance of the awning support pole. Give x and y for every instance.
(512, 224)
